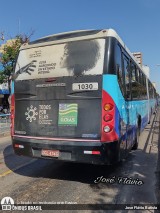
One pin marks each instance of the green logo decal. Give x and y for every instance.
(68, 114)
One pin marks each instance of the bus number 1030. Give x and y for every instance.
(84, 86)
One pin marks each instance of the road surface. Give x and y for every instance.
(36, 180)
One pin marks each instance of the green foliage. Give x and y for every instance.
(9, 55)
(2, 77)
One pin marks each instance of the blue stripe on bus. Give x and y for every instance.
(12, 87)
(111, 86)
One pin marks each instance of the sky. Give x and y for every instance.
(136, 21)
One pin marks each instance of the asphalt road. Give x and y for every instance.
(4, 125)
(36, 180)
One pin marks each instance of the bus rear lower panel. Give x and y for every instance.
(103, 153)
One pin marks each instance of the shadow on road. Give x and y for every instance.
(53, 169)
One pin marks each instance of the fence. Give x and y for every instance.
(4, 124)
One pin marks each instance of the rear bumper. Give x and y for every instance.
(69, 150)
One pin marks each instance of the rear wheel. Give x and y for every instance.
(136, 140)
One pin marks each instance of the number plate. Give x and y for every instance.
(84, 86)
(50, 153)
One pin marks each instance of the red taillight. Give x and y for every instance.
(12, 116)
(108, 117)
(12, 109)
(12, 102)
(18, 146)
(50, 80)
(108, 132)
(94, 152)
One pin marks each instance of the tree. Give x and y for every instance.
(8, 57)
(9, 53)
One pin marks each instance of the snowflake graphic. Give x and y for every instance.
(31, 114)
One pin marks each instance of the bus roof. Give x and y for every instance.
(75, 36)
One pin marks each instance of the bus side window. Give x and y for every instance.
(127, 77)
(133, 72)
(144, 80)
(134, 82)
(141, 77)
(136, 72)
(150, 90)
(138, 76)
(143, 89)
(119, 71)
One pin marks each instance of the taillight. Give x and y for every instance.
(108, 117)
(12, 102)
(94, 152)
(50, 80)
(108, 107)
(107, 128)
(18, 146)
(12, 116)
(12, 109)
(108, 132)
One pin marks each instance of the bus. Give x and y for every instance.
(79, 96)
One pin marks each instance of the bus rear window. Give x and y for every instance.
(70, 59)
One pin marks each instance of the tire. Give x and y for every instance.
(136, 141)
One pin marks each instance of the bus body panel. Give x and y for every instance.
(54, 109)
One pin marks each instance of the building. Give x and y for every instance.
(138, 56)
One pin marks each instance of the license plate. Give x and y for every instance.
(50, 153)
(84, 86)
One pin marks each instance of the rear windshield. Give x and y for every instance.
(65, 36)
(69, 59)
